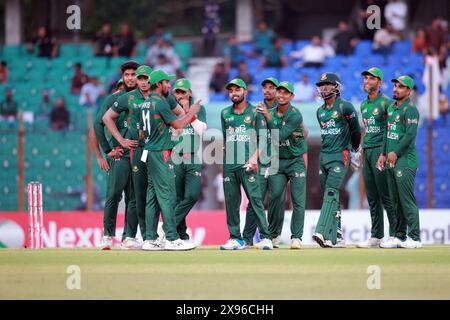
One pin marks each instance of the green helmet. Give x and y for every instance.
(328, 78)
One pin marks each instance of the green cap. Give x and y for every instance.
(328, 77)
(406, 81)
(271, 80)
(286, 85)
(143, 70)
(159, 75)
(236, 82)
(182, 84)
(374, 72)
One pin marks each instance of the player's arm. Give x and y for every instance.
(175, 106)
(199, 124)
(411, 123)
(288, 129)
(99, 128)
(261, 138)
(110, 119)
(353, 122)
(102, 162)
(178, 123)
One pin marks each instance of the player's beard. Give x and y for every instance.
(369, 89)
(397, 97)
(239, 100)
(128, 89)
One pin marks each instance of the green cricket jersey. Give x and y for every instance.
(156, 115)
(336, 126)
(105, 139)
(291, 136)
(374, 115)
(240, 134)
(402, 124)
(264, 157)
(189, 141)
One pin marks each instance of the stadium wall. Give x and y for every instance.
(78, 229)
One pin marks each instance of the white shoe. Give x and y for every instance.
(411, 244)
(233, 244)
(391, 243)
(370, 243)
(317, 237)
(153, 245)
(107, 243)
(130, 244)
(296, 243)
(264, 244)
(340, 243)
(276, 241)
(178, 245)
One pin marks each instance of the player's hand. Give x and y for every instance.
(355, 159)
(380, 162)
(252, 164)
(129, 144)
(261, 108)
(195, 108)
(184, 103)
(392, 159)
(103, 164)
(115, 153)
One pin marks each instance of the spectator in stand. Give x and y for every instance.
(90, 92)
(78, 79)
(126, 44)
(384, 40)
(232, 53)
(45, 106)
(396, 12)
(244, 74)
(314, 54)
(104, 42)
(59, 116)
(211, 26)
(274, 56)
(219, 78)
(263, 38)
(436, 36)
(345, 40)
(8, 107)
(165, 48)
(304, 90)
(160, 33)
(420, 42)
(165, 65)
(45, 43)
(4, 72)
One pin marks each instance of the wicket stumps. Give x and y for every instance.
(35, 215)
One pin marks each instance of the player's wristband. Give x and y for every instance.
(194, 117)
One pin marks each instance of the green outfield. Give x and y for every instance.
(207, 273)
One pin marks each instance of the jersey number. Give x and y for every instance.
(146, 120)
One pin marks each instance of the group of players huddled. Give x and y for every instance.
(154, 131)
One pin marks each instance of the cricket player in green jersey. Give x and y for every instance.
(157, 121)
(402, 163)
(119, 166)
(130, 105)
(186, 159)
(241, 126)
(340, 135)
(287, 131)
(374, 115)
(269, 89)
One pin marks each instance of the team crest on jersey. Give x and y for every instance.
(335, 114)
(375, 112)
(247, 119)
(251, 179)
(135, 169)
(337, 169)
(399, 173)
(397, 118)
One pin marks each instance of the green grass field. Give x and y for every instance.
(207, 273)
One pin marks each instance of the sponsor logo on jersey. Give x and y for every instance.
(198, 174)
